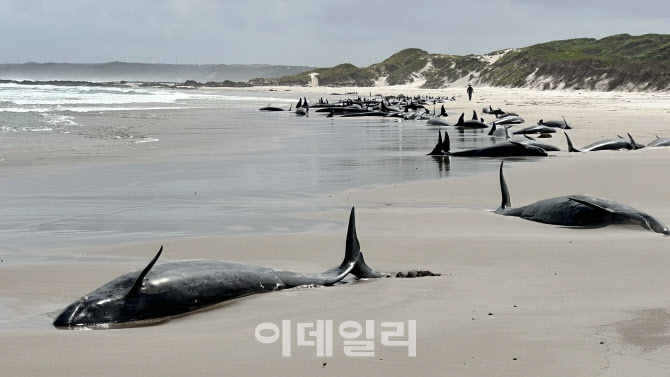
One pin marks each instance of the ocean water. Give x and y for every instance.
(248, 192)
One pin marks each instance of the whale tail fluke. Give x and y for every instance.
(570, 147)
(506, 202)
(353, 253)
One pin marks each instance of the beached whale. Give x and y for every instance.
(660, 142)
(274, 108)
(545, 146)
(503, 131)
(497, 131)
(474, 123)
(438, 121)
(490, 110)
(505, 149)
(578, 210)
(509, 119)
(176, 287)
(537, 129)
(604, 145)
(555, 123)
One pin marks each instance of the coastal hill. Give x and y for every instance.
(618, 62)
(120, 71)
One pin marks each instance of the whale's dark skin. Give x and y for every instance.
(546, 147)
(512, 119)
(555, 123)
(474, 123)
(660, 142)
(604, 145)
(176, 287)
(578, 210)
(274, 108)
(535, 130)
(506, 149)
(437, 121)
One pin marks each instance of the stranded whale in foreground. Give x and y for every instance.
(176, 287)
(578, 210)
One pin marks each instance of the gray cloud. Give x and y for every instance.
(301, 32)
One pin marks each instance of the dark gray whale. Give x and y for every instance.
(604, 145)
(474, 123)
(660, 142)
(537, 129)
(274, 108)
(578, 210)
(555, 123)
(176, 287)
(506, 149)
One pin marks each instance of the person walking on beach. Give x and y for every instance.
(470, 91)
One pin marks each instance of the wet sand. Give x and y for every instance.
(562, 301)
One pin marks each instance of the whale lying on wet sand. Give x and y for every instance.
(578, 210)
(555, 123)
(604, 145)
(274, 108)
(172, 288)
(474, 123)
(505, 149)
(660, 142)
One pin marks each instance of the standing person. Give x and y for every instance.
(470, 91)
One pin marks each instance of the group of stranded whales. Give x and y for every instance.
(164, 290)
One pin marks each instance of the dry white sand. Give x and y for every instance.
(564, 302)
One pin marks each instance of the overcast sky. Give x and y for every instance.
(306, 32)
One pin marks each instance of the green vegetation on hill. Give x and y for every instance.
(619, 61)
(616, 62)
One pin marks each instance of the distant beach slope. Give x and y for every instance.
(120, 71)
(619, 62)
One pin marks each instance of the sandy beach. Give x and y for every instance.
(516, 298)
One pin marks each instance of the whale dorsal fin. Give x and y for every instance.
(138, 283)
(506, 132)
(446, 146)
(589, 204)
(506, 202)
(493, 129)
(290, 107)
(632, 142)
(461, 120)
(528, 137)
(474, 115)
(570, 147)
